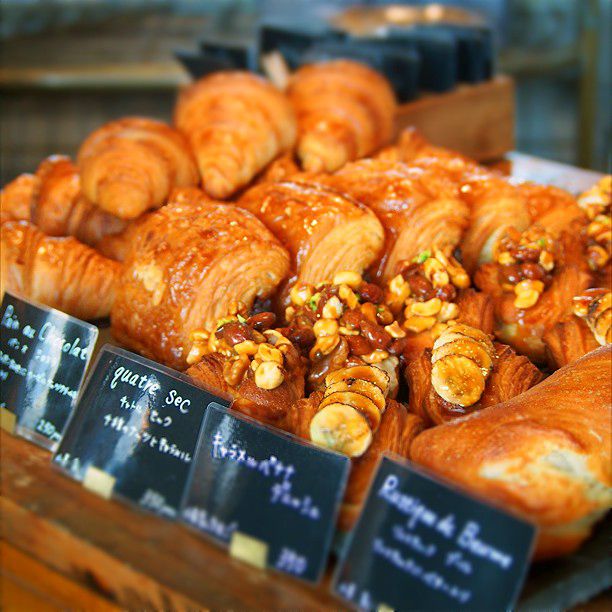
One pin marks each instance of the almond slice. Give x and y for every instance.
(458, 380)
(360, 372)
(341, 428)
(364, 387)
(360, 402)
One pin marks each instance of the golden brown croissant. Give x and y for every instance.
(417, 207)
(17, 198)
(59, 272)
(324, 231)
(533, 283)
(131, 165)
(254, 364)
(283, 168)
(510, 375)
(544, 454)
(236, 123)
(192, 260)
(345, 111)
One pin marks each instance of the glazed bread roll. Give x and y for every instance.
(236, 123)
(131, 165)
(544, 454)
(59, 272)
(17, 198)
(324, 231)
(345, 110)
(191, 261)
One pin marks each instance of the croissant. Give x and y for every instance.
(283, 168)
(324, 231)
(510, 375)
(417, 207)
(17, 198)
(532, 283)
(345, 110)
(544, 454)
(59, 272)
(192, 260)
(395, 432)
(236, 122)
(131, 165)
(254, 364)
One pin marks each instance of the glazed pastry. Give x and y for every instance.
(417, 207)
(131, 165)
(544, 454)
(345, 110)
(283, 168)
(192, 260)
(464, 373)
(254, 364)
(533, 282)
(394, 432)
(324, 231)
(552, 208)
(236, 123)
(344, 323)
(59, 272)
(17, 198)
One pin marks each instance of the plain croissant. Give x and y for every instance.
(131, 165)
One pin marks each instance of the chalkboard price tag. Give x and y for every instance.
(134, 432)
(420, 543)
(270, 497)
(43, 357)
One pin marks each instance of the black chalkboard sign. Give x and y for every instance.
(272, 497)
(43, 357)
(134, 432)
(421, 544)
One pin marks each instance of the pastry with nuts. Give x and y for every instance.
(465, 372)
(533, 282)
(253, 363)
(344, 323)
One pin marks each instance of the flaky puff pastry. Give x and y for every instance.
(325, 231)
(345, 111)
(236, 123)
(417, 207)
(544, 454)
(131, 165)
(396, 431)
(59, 272)
(18, 197)
(192, 260)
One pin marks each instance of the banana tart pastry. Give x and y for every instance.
(533, 282)
(345, 110)
(344, 323)
(60, 272)
(354, 415)
(323, 230)
(588, 327)
(544, 454)
(465, 372)
(597, 204)
(190, 261)
(236, 123)
(416, 206)
(253, 363)
(430, 294)
(131, 165)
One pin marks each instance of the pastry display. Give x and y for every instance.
(131, 165)
(367, 296)
(544, 454)
(235, 122)
(345, 110)
(60, 272)
(191, 261)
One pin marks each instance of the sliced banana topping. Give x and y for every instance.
(361, 403)
(462, 359)
(360, 372)
(357, 385)
(341, 428)
(595, 307)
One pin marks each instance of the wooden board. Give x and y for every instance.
(476, 120)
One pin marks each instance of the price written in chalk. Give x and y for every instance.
(250, 479)
(43, 357)
(421, 543)
(137, 424)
